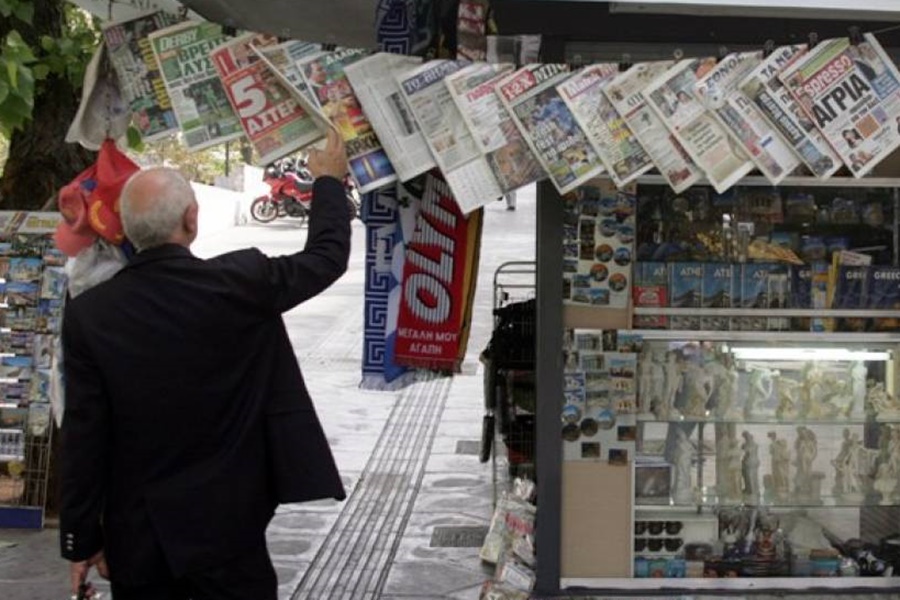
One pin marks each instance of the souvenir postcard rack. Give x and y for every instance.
(749, 395)
(33, 290)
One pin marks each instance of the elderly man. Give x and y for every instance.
(187, 420)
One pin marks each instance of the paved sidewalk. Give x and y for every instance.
(398, 452)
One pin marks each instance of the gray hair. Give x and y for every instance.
(154, 222)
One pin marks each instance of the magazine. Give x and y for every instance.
(719, 91)
(495, 133)
(852, 94)
(198, 98)
(625, 92)
(142, 86)
(673, 97)
(324, 74)
(374, 82)
(621, 152)
(531, 97)
(465, 168)
(272, 119)
(766, 91)
(283, 59)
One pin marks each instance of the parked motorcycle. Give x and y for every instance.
(290, 192)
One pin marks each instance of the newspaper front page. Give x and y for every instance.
(495, 133)
(375, 84)
(549, 126)
(625, 93)
(852, 94)
(766, 91)
(143, 88)
(464, 166)
(621, 152)
(673, 97)
(283, 60)
(198, 98)
(273, 121)
(328, 84)
(719, 90)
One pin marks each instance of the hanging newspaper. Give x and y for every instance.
(464, 167)
(621, 152)
(272, 119)
(495, 133)
(142, 85)
(548, 125)
(375, 84)
(283, 59)
(719, 91)
(324, 74)
(852, 94)
(625, 94)
(198, 98)
(673, 98)
(763, 87)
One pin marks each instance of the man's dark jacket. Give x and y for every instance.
(187, 419)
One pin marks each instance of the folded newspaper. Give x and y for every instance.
(625, 92)
(619, 149)
(270, 115)
(852, 94)
(495, 133)
(674, 98)
(531, 97)
(464, 166)
(776, 104)
(374, 81)
(198, 98)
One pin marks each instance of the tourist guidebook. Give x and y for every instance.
(719, 91)
(625, 94)
(273, 121)
(548, 125)
(495, 133)
(852, 94)
(621, 152)
(464, 166)
(329, 87)
(673, 97)
(766, 91)
(198, 98)
(142, 86)
(374, 82)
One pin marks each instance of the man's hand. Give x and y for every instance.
(330, 162)
(78, 571)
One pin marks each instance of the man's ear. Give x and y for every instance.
(190, 219)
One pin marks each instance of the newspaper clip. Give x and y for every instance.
(576, 63)
(329, 47)
(626, 62)
(856, 37)
(768, 48)
(677, 53)
(813, 40)
(722, 53)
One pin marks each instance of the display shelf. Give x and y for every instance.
(808, 585)
(586, 316)
(763, 420)
(870, 339)
(712, 501)
(760, 181)
(818, 313)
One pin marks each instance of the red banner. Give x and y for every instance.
(438, 282)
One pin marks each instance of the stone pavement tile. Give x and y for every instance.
(32, 568)
(459, 429)
(425, 579)
(443, 463)
(293, 548)
(302, 523)
(422, 524)
(418, 549)
(447, 444)
(463, 415)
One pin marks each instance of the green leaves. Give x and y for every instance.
(23, 10)
(135, 139)
(17, 82)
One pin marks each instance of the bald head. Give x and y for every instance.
(158, 207)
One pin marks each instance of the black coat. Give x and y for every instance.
(187, 419)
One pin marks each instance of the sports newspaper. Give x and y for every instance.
(673, 97)
(374, 82)
(328, 84)
(464, 166)
(621, 152)
(549, 127)
(852, 94)
(140, 81)
(198, 98)
(766, 91)
(273, 121)
(719, 91)
(495, 133)
(625, 92)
